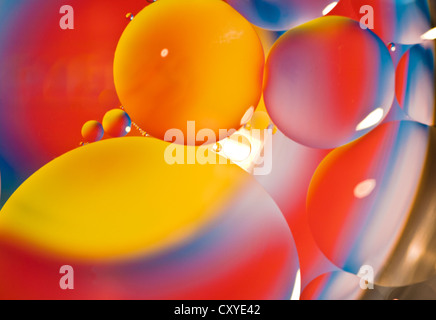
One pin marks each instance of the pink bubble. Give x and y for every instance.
(328, 82)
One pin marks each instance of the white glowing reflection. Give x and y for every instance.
(164, 53)
(429, 35)
(365, 188)
(128, 129)
(329, 8)
(297, 287)
(371, 120)
(243, 148)
(237, 147)
(415, 252)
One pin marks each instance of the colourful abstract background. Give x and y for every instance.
(345, 105)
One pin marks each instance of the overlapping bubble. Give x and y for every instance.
(134, 226)
(116, 123)
(92, 131)
(371, 203)
(328, 82)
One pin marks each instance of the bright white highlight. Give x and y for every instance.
(365, 188)
(297, 287)
(243, 148)
(164, 53)
(237, 148)
(429, 35)
(329, 8)
(371, 120)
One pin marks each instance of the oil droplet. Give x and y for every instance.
(129, 16)
(392, 47)
(116, 123)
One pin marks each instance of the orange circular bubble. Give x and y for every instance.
(192, 60)
(92, 131)
(117, 123)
